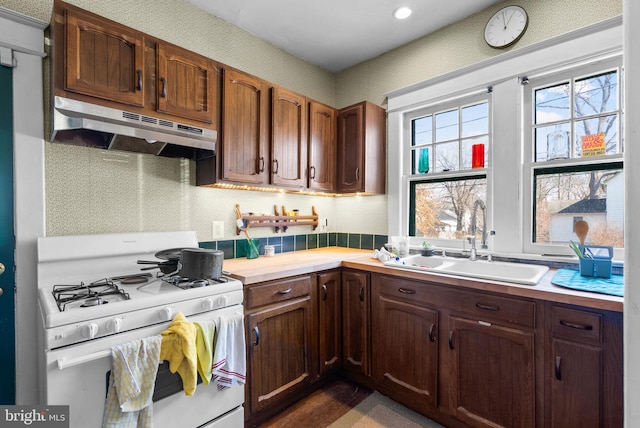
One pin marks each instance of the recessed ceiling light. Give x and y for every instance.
(402, 12)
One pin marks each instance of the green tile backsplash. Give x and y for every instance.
(284, 244)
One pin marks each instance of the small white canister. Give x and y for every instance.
(269, 250)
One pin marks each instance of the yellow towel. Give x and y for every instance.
(179, 348)
(204, 347)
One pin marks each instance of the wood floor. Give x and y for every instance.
(322, 407)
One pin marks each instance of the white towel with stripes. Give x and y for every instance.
(229, 366)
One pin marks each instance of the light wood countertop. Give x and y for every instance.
(282, 265)
(302, 262)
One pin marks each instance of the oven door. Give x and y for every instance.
(78, 376)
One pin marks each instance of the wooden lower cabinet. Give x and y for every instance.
(280, 344)
(329, 286)
(584, 368)
(462, 357)
(356, 333)
(408, 362)
(492, 374)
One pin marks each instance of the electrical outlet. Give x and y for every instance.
(217, 229)
(323, 224)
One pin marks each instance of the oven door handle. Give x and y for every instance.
(64, 363)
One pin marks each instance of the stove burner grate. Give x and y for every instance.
(186, 283)
(90, 295)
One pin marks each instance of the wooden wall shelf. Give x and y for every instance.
(277, 221)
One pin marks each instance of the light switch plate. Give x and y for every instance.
(217, 229)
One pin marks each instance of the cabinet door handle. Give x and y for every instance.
(361, 293)
(261, 169)
(256, 331)
(558, 362)
(324, 292)
(163, 93)
(275, 166)
(287, 291)
(139, 86)
(576, 326)
(312, 172)
(451, 339)
(406, 290)
(488, 307)
(432, 329)
(357, 174)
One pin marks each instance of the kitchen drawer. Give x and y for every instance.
(411, 291)
(277, 291)
(493, 308)
(576, 325)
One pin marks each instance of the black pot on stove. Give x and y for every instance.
(201, 263)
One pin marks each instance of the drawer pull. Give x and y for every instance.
(451, 340)
(432, 329)
(558, 373)
(324, 292)
(256, 331)
(406, 290)
(287, 291)
(576, 326)
(361, 293)
(487, 307)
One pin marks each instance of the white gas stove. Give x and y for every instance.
(93, 294)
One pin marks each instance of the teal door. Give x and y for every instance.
(7, 244)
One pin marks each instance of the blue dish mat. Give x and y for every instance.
(570, 278)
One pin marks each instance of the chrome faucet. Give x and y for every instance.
(474, 228)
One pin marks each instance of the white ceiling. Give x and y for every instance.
(337, 34)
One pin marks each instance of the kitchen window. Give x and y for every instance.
(526, 153)
(449, 151)
(574, 128)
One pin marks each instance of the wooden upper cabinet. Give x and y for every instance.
(103, 59)
(186, 83)
(244, 128)
(362, 149)
(289, 138)
(99, 61)
(322, 148)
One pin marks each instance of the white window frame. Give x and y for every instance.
(548, 78)
(462, 100)
(505, 177)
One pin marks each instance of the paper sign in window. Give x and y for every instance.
(593, 145)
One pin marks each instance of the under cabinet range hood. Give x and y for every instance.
(92, 125)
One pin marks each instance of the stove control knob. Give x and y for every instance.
(223, 301)
(166, 313)
(115, 325)
(207, 304)
(90, 330)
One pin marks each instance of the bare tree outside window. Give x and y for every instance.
(443, 209)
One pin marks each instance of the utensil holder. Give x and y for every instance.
(599, 263)
(252, 248)
(597, 268)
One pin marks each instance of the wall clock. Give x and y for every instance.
(506, 27)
